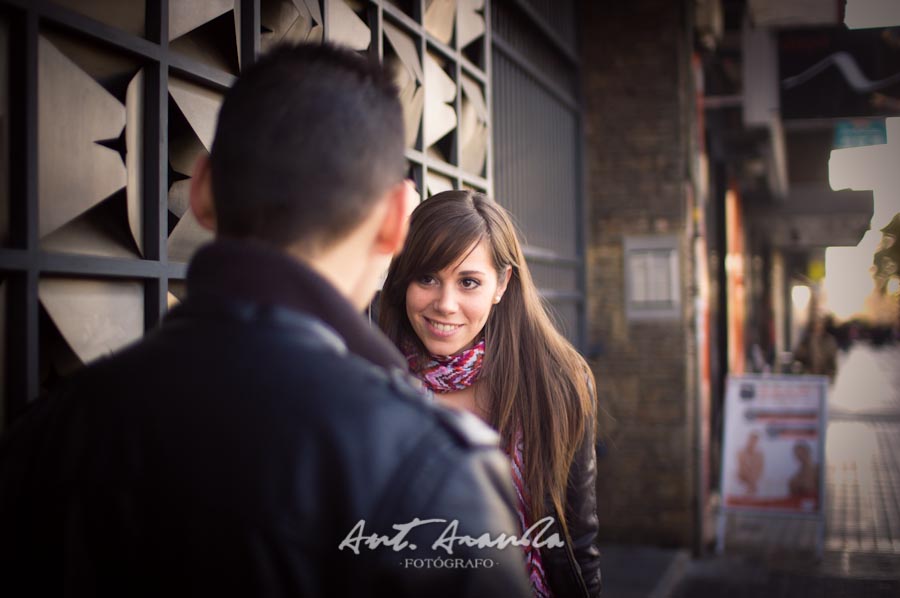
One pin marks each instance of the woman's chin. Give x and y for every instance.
(445, 348)
(442, 349)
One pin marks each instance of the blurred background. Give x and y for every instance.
(707, 189)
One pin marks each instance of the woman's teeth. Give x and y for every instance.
(443, 327)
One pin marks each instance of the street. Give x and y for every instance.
(863, 453)
(862, 541)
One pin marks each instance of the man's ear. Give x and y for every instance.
(201, 194)
(401, 200)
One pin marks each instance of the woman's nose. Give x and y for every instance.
(445, 302)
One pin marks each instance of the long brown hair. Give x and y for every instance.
(533, 378)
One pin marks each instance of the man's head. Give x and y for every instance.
(308, 153)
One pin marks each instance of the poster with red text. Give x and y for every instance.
(773, 450)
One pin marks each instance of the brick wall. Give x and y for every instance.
(637, 118)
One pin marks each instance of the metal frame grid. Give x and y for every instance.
(23, 263)
(411, 22)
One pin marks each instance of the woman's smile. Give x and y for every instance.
(440, 328)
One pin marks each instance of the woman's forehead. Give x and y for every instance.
(476, 258)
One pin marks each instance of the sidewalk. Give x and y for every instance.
(870, 576)
(650, 572)
(641, 571)
(862, 542)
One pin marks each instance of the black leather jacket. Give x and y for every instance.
(232, 452)
(574, 570)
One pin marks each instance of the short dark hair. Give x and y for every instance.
(307, 139)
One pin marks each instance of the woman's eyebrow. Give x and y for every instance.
(470, 273)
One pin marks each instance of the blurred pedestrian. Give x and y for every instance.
(816, 353)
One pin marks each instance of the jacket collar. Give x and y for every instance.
(255, 272)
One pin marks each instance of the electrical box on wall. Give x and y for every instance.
(652, 278)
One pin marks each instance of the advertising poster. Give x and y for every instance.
(774, 442)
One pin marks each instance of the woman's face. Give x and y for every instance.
(448, 309)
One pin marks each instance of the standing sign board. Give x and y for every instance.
(774, 448)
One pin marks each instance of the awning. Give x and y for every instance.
(814, 216)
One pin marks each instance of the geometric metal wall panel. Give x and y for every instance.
(127, 15)
(172, 300)
(74, 113)
(207, 31)
(186, 238)
(93, 180)
(409, 78)
(179, 197)
(473, 129)
(440, 91)
(134, 156)
(178, 288)
(187, 15)
(199, 106)
(471, 21)
(344, 26)
(99, 231)
(113, 71)
(437, 184)
(289, 21)
(95, 317)
(439, 19)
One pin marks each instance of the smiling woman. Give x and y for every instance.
(461, 304)
(448, 309)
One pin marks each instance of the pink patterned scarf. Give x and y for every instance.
(534, 563)
(456, 372)
(442, 374)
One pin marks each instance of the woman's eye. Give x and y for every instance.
(426, 279)
(470, 283)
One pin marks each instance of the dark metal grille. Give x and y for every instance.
(521, 30)
(560, 18)
(537, 148)
(536, 168)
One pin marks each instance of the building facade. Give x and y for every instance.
(645, 203)
(105, 105)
